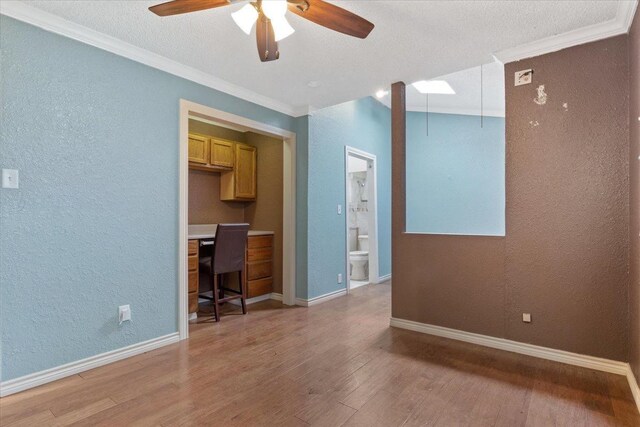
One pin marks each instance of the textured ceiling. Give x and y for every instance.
(412, 40)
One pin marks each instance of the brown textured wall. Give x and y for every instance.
(205, 206)
(266, 212)
(567, 244)
(634, 199)
(565, 255)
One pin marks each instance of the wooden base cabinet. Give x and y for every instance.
(193, 273)
(258, 269)
(259, 265)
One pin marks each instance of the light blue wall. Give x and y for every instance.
(94, 223)
(455, 176)
(363, 124)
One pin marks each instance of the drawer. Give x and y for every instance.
(193, 281)
(258, 270)
(192, 247)
(259, 287)
(259, 242)
(193, 263)
(259, 254)
(193, 302)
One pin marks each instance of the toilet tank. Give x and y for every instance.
(363, 242)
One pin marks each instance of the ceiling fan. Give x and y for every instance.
(270, 20)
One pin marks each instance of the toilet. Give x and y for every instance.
(359, 259)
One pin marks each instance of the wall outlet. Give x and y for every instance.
(526, 317)
(340, 278)
(523, 77)
(339, 209)
(9, 178)
(124, 314)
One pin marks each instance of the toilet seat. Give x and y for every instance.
(358, 253)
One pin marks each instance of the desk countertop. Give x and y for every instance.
(208, 231)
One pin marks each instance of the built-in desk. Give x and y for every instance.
(258, 277)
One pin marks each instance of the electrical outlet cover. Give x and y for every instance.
(9, 178)
(523, 77)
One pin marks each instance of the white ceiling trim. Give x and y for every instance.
(57, 25)
(619, 25)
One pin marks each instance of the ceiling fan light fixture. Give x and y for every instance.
(281, 28)
(440, 87)
(245, 18)
(274, 9)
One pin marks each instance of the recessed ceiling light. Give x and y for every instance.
(434, 86)
(381, 93)
(313, 83)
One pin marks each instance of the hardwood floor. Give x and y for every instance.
(338, 363)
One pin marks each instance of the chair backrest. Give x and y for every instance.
(229, 248)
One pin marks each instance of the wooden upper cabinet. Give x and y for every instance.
(198, 149)
(240, 184)
(246, 172)
(222, 153)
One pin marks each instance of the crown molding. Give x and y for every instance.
(614, 27)
(55, 24)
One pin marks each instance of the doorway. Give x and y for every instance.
(361, 218)
(192, 110)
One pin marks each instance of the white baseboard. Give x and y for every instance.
(276, 296)
(322, 298)
(596, 363)
(384, 278)
(562, 356)
(59, 372)
(633, 384)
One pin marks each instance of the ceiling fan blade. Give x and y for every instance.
(177, 7)
(332, 17)
(266, 39)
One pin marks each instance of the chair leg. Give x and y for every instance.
(216, 309)
(221, 286)
(243, 292)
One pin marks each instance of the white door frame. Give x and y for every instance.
(188, 108)
(372, 202)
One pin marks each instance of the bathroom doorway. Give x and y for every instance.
(361, 218)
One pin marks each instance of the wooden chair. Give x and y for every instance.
(228, 256)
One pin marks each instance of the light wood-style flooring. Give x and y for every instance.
(335, 364)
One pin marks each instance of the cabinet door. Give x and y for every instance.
(221, 153)
(198, 149)
(245, 172)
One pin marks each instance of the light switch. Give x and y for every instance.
(124, 314)
(526, 317)
(9, 178)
